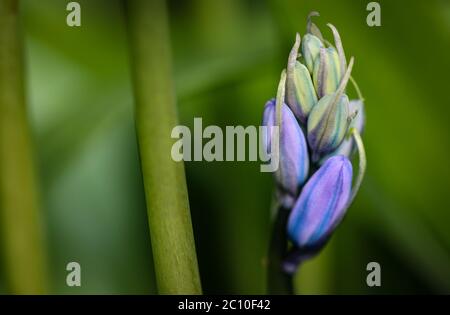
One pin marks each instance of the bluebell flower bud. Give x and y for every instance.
(339, 48)
(356, 107)
(300, 93)
(293, 162)
(329, 120)
(321, 205)
(311, 46)
(327, 72)
(327, 125)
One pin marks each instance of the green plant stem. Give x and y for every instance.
(279, 282)
(164, 179)
(21, 232)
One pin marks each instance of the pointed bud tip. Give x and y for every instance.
(331, 26)
(313, 13)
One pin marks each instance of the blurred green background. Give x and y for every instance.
(228, 55)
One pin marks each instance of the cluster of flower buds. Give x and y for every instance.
(319, 129)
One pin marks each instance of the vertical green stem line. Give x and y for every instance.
(169, 219)
(20, 227)
(278, 282)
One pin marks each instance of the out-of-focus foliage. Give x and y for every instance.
(228, 55)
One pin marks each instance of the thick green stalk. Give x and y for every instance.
(19, 203)
(164, 180)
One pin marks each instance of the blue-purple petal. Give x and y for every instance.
(268, 120)
(294, 162)
(321, 204)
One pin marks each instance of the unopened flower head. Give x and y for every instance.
(312, 103)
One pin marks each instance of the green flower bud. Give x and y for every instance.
(300, 93)
(311, 46)
(346, 148)
(329, 120)
(327, 71)
(327, 125)
(339, 48)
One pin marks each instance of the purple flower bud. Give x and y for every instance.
(321, 204)
(294, 162)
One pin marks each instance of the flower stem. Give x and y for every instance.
(164, 179)
(279, 282)
(19, 201)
